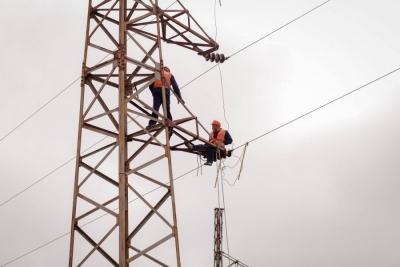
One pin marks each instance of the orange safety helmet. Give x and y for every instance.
(167, 69)
(217, 123)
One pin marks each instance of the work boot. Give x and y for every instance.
(188, 145)
(150, 126)
(170, 132)
(208, 163)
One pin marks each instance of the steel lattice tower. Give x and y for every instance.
(129, 34)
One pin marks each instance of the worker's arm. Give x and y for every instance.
(151, 87)
(175, 87)
(228, 138)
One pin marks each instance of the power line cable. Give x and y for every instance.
(34, 113)
(55, 239)
(247, 46)
(324, 105)
(59, 167)
(53, 171)
(290, 22)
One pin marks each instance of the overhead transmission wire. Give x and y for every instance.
(238, 146)
(62, 91)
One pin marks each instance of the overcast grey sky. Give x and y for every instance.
(322, 191)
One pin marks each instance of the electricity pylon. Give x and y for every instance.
(129, 33)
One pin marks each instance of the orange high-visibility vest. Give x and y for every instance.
(166, 79)
(219, 141)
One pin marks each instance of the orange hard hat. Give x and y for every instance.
(215, 122)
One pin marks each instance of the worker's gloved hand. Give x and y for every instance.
(220, 145)
(181, 101)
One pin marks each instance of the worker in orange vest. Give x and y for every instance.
(156, 90)
(218, 136)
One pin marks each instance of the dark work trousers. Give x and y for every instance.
(210, 151)
(157, 102)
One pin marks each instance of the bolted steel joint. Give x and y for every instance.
(120, 56)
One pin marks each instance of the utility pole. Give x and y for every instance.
(128, 34)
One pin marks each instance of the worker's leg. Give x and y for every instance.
(167, 99)
(200, 147)
(210, 154)
(209, 151)
(157, 100)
